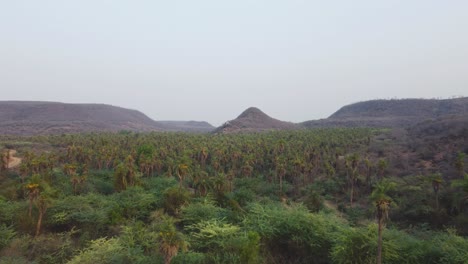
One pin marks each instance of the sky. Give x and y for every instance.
(209, 60)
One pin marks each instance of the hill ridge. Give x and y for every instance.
(254, 120)
(391, 112)
(41, 117)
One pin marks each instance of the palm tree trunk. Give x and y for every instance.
(39, 223)
(379, 242)
(281, 186)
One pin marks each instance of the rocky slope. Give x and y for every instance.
(392, 113)
(254, 120)
(35, 118)
(187, 126)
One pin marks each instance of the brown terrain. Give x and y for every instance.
(392, 113)
(35, 118)
(254, 120)
(13, 161)
(187, 126)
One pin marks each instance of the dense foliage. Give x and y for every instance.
(315, 196)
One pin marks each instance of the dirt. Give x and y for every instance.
(13, 162)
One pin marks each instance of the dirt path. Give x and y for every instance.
(13, 162)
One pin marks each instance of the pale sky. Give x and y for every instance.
(210, 60)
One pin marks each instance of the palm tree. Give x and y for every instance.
(169, 238)
(170, 242)
(352, 163)
(181, 171)
(436, 181)
(33, 193)
(201, 181)
(382, 201)
(460, 163)
(382, 166)
(3, 160)
(463, 184)
(43, 202)
(368, 167)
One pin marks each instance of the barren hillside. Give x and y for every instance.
(33, 118)
(254, 120)
(392, 113)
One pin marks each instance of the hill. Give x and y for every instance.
(31, 118)
(254, 120)
(392, 113)
(34, 118)
(187, 126)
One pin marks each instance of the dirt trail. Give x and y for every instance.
(13, 161)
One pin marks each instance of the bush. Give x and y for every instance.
(89, 213)
(313, 201)
(189, 258)
(224, 243)
(202, 211)
(52, 248)
(103, 251)
(173, 199)
(292, 232)
(134, 203)
(7, 233)
(359, 245)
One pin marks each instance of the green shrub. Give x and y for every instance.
(173, 199)
(313, 201)
(89, 213)
(224, 243)
(454, 247)
(359, 245)
(202, 211)
(189, 258)
(103, 251)
(134, 203)
(7, 233)
(292, 232)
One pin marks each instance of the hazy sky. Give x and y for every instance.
(209, 60)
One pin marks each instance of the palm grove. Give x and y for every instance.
(314, 196)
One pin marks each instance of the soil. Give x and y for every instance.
(13, 162)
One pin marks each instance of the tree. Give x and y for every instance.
(436, 181)
(4, 160)
(382, 201)
(43, 202)
(201, 181)
(382, 165)
(460, 163)
(352, 163)
(33, 193)
(368, 167)
(463, 184)
(125, 174)
(181, 171)
(169, 238)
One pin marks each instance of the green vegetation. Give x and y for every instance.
(315, 196)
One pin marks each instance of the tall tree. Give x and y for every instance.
(382, 202)
(436, 181)
(463, 184)
(460, 163)
(352, 163)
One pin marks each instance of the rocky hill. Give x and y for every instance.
(392, 113)
(34, 118)
(254, 120)
(187, 126)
